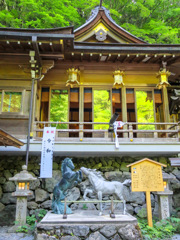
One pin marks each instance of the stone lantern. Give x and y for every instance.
(163, 197)
(22, 181)
(73, 75)
(118, 79)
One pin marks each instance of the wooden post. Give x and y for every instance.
(81, 110)
(124, 109)
(165, 104)
(130, 131)
(149, 210)
(34, 105)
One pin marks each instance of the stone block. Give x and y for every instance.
(81, 230)
(32, 205)
(133, 197)
(9, 187)
(130, 232)
(7, 174)
(97, 236)
(163, 160)
(51, 182)
(97, 166)
(34, 184)
(2, 180)
(123, 167)
(108, 231)
(116, 237)
(47, 204)
(107, 169)
(1, 192)
(176, 172)
(69, 238)
(176, 199)
(41, 195)
(113, 176)
(2, 206)
(73, 194)
(55, 166)
(7, 215)
(7, 198)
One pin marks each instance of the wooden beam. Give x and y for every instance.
(51, 46)
(36, 49)
(117, 58)
(90, 57)
(81, 57)
(108, 57)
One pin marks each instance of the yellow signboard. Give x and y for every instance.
(146, 176)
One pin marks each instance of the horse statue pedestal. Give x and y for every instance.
(87, 224)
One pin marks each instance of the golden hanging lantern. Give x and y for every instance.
(163, 78)
(118, 79)
(73, 75)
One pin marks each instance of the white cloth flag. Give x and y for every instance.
(47, 152)
(116, 125)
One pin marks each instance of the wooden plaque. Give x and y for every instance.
(146, 176)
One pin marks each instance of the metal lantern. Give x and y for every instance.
(22, 181)
(73, 75)
(163, 77)
(118, 79)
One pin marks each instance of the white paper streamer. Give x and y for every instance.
(116, 125)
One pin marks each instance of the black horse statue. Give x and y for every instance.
(69, 180)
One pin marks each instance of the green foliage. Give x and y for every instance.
(31, 222)
(41, 214)
(145, 109)
(102, 108)
(23, 228)
(84, 207)
(59, 108)
(160, 230)
(155, 21)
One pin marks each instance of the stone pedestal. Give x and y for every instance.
(21, 209)
(86, 224)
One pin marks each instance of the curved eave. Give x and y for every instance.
(68, 29)
(103, 13)
(127, 48)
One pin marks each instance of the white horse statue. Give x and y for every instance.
(103, 187)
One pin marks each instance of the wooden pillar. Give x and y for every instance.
(165, 104)
(34, 106)
(81, 101)
(124, 108)
(81, 110)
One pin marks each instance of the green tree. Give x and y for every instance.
(155, 21)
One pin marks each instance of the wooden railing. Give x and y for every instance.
(130, 130)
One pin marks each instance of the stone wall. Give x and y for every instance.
(111, 167)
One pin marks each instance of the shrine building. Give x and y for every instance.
(79, 79)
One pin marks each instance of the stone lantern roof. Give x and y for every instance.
(23, 176)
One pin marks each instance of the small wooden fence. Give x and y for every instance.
(131, 130)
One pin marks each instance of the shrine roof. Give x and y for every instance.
(8, 140)
(101, 15)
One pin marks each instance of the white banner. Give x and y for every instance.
(117, 124)
(47, 152)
